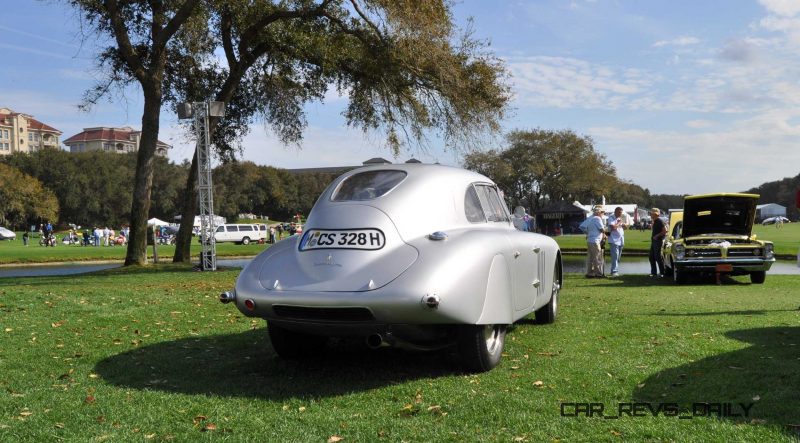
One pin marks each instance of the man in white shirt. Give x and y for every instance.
(593, 228)
(617, 224)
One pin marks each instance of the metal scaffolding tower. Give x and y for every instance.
(201, 111)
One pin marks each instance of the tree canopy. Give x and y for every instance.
(23, 199)
(403, 65)
(544, 165)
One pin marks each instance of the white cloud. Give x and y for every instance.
(784, 8)
(724, 158)
(680, 41)
(700, 124)
(572, 83)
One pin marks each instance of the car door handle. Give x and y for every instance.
(536, 283)
(516, 254)
(536, 249)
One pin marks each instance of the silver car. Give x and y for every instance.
(415, 256)
(7, 234)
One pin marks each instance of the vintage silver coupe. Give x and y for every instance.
(415, 256)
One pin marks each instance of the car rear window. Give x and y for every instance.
(367, 185)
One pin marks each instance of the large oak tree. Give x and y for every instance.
(141, 41)
(405, 68)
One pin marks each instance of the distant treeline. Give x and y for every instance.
(95, 188)
(782, 192)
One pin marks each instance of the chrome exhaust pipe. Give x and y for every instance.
(376, 341)
(227, 297)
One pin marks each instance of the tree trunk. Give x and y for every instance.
(143, 181)
(183, 242)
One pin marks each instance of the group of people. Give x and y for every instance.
(611, 231)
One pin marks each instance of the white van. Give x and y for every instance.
(238, 233)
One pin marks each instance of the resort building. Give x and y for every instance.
(118, 140)
(22, 133)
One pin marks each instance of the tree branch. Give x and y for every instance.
(226, 24)
(124, 42)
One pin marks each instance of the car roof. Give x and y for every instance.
(430, 197)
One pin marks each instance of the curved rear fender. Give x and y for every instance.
(497, 307)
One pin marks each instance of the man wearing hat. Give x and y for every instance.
(656, 240)
(593, 228)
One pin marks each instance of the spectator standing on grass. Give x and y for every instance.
(616, 238)
(656, 240)
(96, 235)
(593, 228)
(279, 229)
(25, 238)
(272, 234)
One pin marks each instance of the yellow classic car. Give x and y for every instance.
(714, 234)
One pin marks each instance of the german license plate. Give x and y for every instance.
(368, 239)
(724, 268)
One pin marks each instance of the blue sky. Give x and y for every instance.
(682, 96)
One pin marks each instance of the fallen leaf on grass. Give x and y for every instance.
(57, 324)
(335, 439)
(59, 425)
(616, 433)
(89, 399)
(209, 427)
(538, 383)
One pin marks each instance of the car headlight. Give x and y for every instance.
(680, 251)
(769, 250)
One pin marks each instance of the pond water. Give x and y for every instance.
(573, 264)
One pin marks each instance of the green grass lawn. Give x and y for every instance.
(786, 239)
(148, 354)
(16, 252)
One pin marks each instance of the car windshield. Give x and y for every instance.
(368, 185)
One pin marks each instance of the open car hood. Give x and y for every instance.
(719, 214)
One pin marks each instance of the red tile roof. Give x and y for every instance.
(104, 134)
(32, 123)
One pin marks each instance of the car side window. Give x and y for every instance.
(472, 206)
(491, 203)
(245, 228)
(233, 229)
(221, 229)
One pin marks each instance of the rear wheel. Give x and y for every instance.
(547, 313)
(481, 346)
(295, 345)
(758, 277)
(246, 241)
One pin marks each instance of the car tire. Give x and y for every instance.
(480, 347)
(295, 345)
(246, 241)
(758, 277)
(678, 275)
(547, 313)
